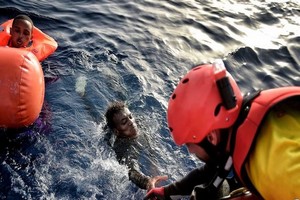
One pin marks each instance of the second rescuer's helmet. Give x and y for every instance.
(206, 99)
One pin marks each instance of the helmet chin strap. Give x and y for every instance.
(215, 152)
(220, 158)
(210, 149)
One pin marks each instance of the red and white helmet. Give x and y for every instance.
(207, 98)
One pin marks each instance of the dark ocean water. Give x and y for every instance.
(134, 51)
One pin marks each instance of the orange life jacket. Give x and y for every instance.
(248, 129)
(42, 44)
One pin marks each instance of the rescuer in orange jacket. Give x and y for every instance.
(257, 135)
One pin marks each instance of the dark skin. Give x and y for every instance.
(21, 33)
(126, 127)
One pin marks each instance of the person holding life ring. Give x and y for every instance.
(21, 33)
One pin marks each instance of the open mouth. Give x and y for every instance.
(19, 42)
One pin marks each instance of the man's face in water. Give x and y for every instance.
(125, 125)
(21, 33)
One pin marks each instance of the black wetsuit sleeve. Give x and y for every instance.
(186, 185)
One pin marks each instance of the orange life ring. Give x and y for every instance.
(42, 44)
(22, 87)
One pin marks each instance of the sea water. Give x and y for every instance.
(134, 51)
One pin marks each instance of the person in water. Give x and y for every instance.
(129, 143)
(257, 135)
(21, 32)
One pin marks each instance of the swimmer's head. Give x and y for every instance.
(120, 120)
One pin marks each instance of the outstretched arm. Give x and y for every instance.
(143, 181)
(195, 177)
(138, 178)
(184, 186)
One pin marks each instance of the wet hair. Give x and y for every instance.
(22, 17)
(113, 108)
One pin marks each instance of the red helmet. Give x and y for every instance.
(206, 99)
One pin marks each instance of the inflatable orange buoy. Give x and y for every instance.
(22, 87)
(42, 44)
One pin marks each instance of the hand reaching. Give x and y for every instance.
(156, 194)
(152, 182)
